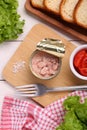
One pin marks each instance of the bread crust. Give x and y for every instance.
(61, 6)
(75, 15)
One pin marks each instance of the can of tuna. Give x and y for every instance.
(45, 62)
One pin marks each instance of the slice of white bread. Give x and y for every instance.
(37, 4)
(52, 6)
(67, 10)
(80, 14)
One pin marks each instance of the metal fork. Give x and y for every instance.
(33, 90)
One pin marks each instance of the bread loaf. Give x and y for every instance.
(80, 14)
(52, 6)
(37, 4)
(67, 9)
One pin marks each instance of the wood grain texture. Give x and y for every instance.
(72, 29)
(24, 76)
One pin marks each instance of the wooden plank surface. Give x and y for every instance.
(69, 28)
(23, 75)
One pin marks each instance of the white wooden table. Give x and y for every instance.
(7, 49)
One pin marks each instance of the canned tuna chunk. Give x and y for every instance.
(44, 65)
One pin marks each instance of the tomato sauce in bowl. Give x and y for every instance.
(78, 62)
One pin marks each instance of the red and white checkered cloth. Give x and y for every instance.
(21, 115)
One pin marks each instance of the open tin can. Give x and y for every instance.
(45, 62)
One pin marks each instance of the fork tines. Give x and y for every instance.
(27, 90)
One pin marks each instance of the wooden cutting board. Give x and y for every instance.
(17, 71)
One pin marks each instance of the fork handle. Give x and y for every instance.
(71, 88)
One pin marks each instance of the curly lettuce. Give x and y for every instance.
(10, 24)
(76, 114)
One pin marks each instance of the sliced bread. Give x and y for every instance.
(37, 4)
(80, 14)
(67, 9)
(52, 6)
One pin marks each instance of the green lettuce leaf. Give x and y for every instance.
(75, 117)
(10, 24)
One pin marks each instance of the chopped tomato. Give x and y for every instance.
(78, 58)
(84, 62)
(80, 62)
(83, 71)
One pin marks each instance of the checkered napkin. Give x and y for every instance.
(21, 115)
